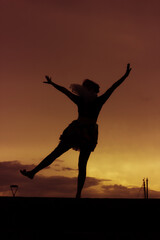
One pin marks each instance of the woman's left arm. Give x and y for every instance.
(103, 98)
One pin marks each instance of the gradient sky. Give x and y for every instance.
(70, 41)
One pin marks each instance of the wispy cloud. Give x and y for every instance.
(69, 169)
(55, 186)
(62, 186)
(64, 168)
(120, 191)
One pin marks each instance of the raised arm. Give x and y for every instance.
(103, 98)
(64, 90)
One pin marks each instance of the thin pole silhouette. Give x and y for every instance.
(81, 134)
(144, 187)
(147, 188)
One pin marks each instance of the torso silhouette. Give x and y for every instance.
(89, 109)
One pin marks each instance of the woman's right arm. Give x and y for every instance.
(64, 90)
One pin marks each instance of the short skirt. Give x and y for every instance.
(80, 135)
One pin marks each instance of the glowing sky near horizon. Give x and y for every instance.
(70, 41)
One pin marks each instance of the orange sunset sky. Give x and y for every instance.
(71, 40)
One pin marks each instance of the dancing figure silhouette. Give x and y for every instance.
(81, 134)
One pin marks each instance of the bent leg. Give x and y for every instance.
(58, 151)
(83, 158)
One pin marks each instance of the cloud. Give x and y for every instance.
(91, 182)
(64, 168)
(119, 191)
(10, 172)
(68, 169)
(53, 186)
(62, 186)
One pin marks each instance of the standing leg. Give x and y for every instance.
(83, 158)
(59, 150)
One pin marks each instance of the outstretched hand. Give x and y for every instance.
(49, 81)
(128, 69)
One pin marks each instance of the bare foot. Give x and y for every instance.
(28, 174)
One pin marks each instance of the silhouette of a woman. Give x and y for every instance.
(81, 134)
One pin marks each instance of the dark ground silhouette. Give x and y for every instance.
(57, 218)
